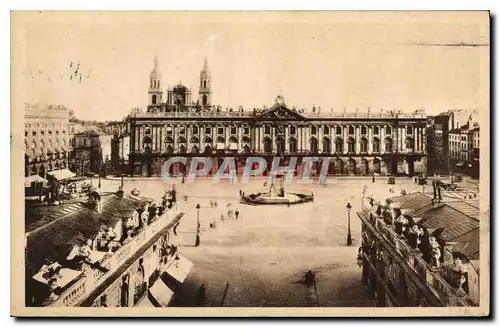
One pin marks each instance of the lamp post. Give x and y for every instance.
(349, 239)
(197, 242)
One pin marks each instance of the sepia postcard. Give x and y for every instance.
(250, 164)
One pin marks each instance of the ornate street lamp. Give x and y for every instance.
(197, 242)
(349, 239)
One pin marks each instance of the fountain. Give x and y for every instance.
(276, 194)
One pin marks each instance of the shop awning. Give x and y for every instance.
(161, 293)
(233, 146)
(61, 174)
(180, 268)
(220, 146)
(34, 178)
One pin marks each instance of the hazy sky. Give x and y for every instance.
(332, 60)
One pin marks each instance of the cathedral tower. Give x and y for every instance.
(154, 91)
(205, 93)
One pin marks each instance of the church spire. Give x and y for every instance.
(156, 62)
(205, 64)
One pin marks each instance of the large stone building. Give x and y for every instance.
(418, 250)
(357, 142)
(438, 136)
(45, 139)
(91, 151)
(464, 149)
(116, 250)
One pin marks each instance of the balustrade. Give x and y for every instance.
(91, 279)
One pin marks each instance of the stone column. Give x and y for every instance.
(424, 142)
(239, 131)
(357, 135)
(345, 129)
(307, 138)
(370, 139)
(320, 138)
(175, 136)
(287, 135)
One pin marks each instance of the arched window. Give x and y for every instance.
(293, 145)
(280, 145)
(409, 130)
(410, 143)
(205, 84)
(314, 145)
(351, 145)
(351, 130)
(376, 144)
(326, 145)
(388, 130)
(388, 144)
(364, 145)
(376, 166)
(204, 100)
(363, 130)
(339, 145)
(195, 139)
(153, 101)
(268, 146)
(313, 130)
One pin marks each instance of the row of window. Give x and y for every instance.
(34, 133)
(181, 130)
(280, 144)
(267, 130)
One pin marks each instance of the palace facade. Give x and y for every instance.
(356, 143)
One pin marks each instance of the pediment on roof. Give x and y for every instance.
(280, 112)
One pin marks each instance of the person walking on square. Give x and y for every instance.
(237, 214)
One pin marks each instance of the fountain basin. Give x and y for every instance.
(288, 198)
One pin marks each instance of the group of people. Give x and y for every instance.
(417, 236)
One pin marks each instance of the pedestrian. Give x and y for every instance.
(237, 213)
(215, 204)
(221, 217)
(211, 204)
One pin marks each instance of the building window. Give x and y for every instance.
(375, 130)
(388, 130)
(220, 130)
(338, 130)
(169, 130)
(233, 130)
(208, 130)
(147, 130)
(388, 145)
(376, 145)
(267, 129)
(363, 130)
(293, 130)
(409, 130)
(351, 130)
(313, 130)
(182, 130)
(326, 130)
(350, 145)
(33, 133)
(339, 145)
(195, 130)
(246, 130)
(364, 145)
